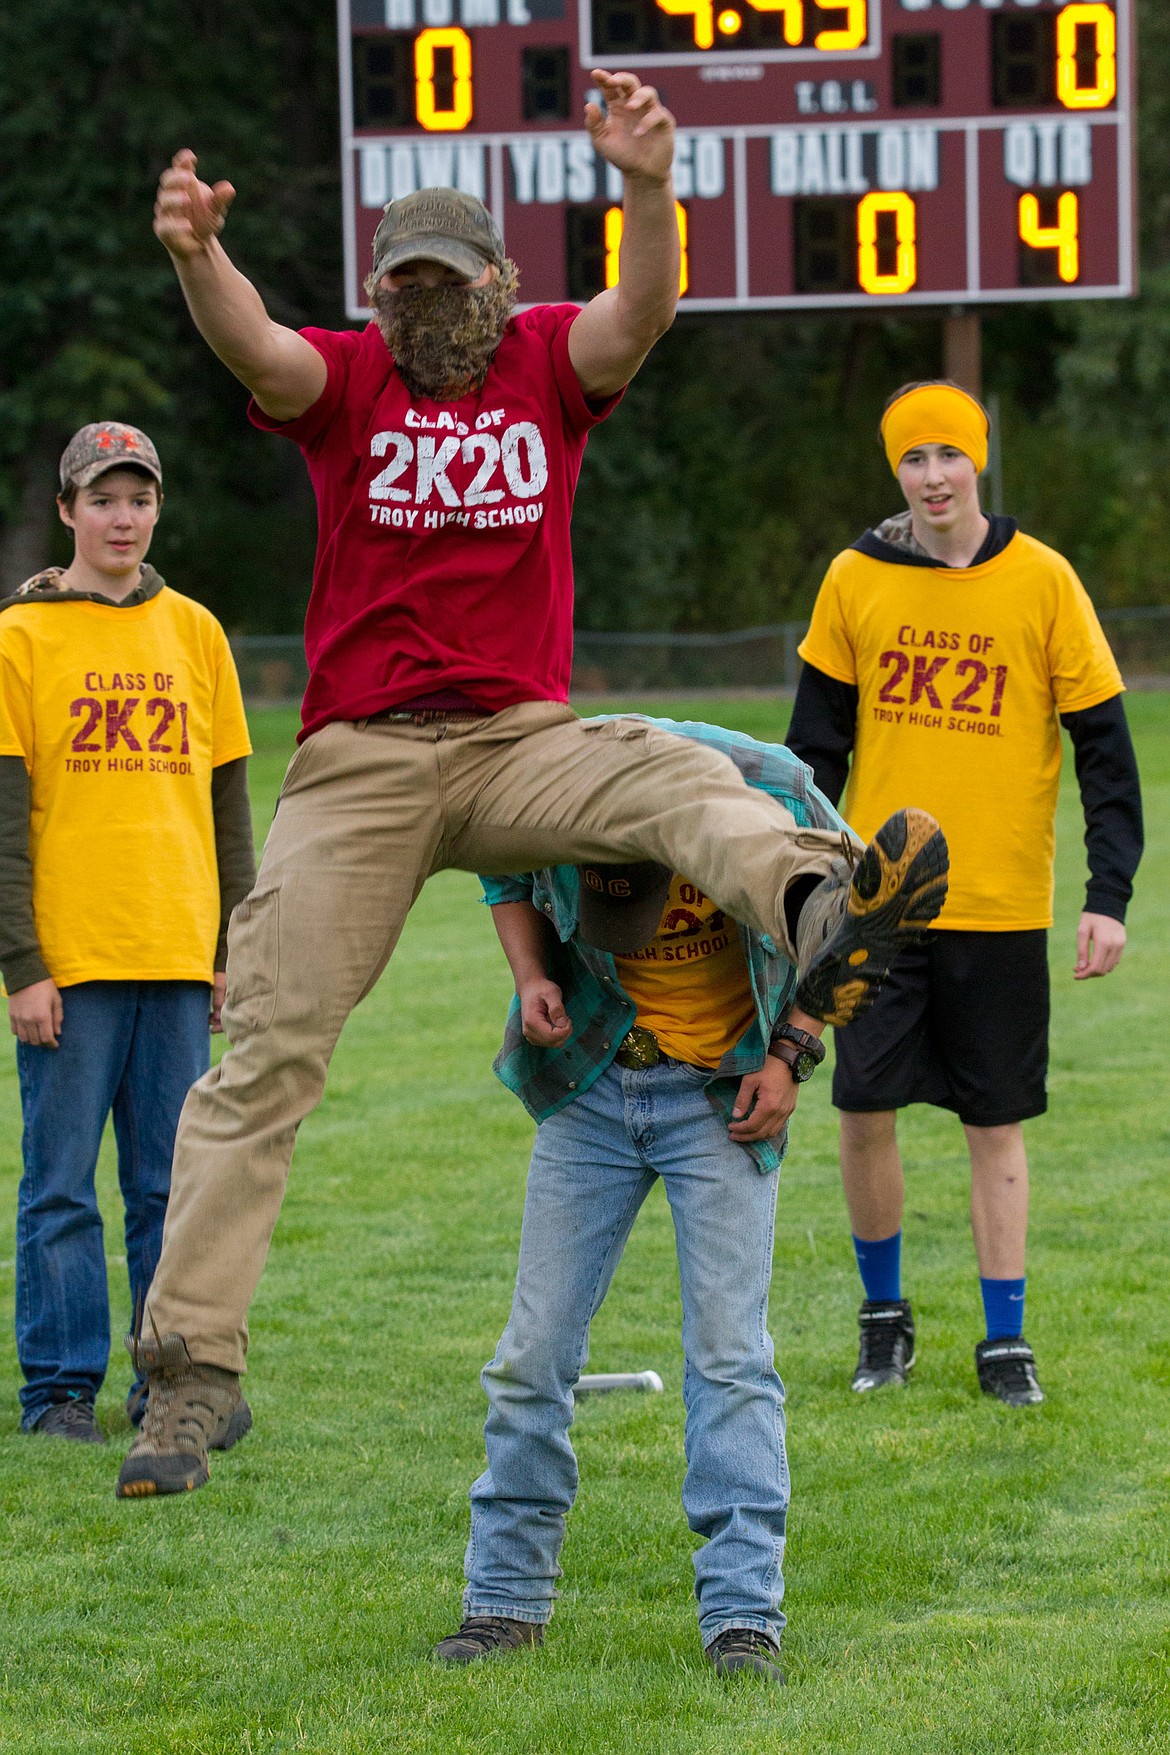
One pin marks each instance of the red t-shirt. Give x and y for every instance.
(443, 556)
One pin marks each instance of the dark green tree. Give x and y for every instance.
(94, 99)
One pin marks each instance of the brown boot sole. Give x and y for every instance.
(183, 1478)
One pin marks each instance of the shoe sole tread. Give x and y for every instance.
(159, 1485)
(904, 897)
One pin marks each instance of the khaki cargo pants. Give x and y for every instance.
(368, 811)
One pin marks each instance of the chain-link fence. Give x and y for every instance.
(1140, 638)
(754, 660)
(272, 667)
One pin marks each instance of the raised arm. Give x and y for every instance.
(617, 329)
(283, 371)
(523, 933)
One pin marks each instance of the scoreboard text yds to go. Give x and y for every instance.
(873, 151)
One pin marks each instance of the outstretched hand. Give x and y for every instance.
(636, 134)
(188, 213)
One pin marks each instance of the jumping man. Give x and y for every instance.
(443, 442)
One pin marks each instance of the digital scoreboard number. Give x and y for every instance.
(831, 153)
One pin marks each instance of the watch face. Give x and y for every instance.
(804, 1066)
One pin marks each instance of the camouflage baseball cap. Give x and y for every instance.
(437, 225)
(107, 444)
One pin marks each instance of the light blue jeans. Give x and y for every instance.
(593, 1165)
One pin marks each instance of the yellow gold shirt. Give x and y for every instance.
(691, 983)
(120, 714)
(961, 675)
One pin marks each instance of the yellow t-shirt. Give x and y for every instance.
(120, 714)
(961, 674)
(691, 983)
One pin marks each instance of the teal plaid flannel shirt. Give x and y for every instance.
(546, 1079)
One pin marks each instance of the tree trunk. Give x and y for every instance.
(24, 542)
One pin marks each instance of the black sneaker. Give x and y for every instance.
(482, 1636)
(72, 1419)
(745, 1648)
(897, 888)
(887, 1344)
(1007, 1369)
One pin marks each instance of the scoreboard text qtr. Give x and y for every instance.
(829, 154)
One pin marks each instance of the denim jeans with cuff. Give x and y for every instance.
(593, 1164)
(135, 1047)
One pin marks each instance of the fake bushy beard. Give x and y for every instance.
(444, 338)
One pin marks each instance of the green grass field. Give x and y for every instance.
(960, 1577)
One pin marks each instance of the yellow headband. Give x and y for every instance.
(935, 415)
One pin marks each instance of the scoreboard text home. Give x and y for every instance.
(912, 151)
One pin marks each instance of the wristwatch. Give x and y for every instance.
(800, 1050)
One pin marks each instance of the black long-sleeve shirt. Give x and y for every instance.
(824, 727)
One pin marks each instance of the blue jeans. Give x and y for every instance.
(135, 1047)
(593, 1165)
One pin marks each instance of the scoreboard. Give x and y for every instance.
(830, 153)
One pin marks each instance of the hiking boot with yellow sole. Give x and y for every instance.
(849, 935)
(190, 1409)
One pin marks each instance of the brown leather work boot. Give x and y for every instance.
(482, 1636)
(190, 1409)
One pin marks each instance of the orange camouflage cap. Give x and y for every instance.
(107, 444)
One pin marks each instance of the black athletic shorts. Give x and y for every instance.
(961, 1022)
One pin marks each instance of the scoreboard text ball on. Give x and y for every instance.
(932, 152)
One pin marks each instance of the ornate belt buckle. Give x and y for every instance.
(640, 1048)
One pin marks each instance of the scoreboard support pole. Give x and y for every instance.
(963, 362)
(963, 350)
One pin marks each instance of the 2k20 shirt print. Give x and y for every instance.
(442, 471)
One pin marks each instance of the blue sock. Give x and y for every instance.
(881, 1268)
(1003, 1307)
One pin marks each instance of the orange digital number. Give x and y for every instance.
(869, 210)
(852, 33)
(614, 223)
(1063, 237)
(793, 11)
(849, 35)
(426, 98)
(704, 13)
(1101, 20)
